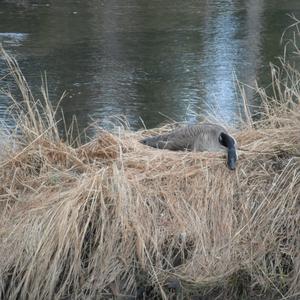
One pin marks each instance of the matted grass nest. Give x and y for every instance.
(115, 218)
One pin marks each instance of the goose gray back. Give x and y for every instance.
(202, 137)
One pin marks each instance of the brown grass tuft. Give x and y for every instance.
(114, 218)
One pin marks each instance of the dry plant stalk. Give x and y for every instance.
(115, 218)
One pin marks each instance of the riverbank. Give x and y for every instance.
(114, 218)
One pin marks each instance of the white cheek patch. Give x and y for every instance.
(235, 147)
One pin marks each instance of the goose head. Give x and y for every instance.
(229, 142)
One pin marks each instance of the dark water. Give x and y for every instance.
(145, 59)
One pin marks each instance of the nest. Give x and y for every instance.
(115, 218)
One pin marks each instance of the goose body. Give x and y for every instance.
(202, 137)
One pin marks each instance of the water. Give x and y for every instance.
(149, 60)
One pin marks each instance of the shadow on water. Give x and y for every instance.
(144, 59)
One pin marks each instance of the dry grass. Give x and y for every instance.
(114, 218)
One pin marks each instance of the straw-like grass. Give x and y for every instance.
(114, 218)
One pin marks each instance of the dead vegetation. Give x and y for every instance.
(114, 218)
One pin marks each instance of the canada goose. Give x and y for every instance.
(203, 137)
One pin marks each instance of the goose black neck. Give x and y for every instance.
(227, 141)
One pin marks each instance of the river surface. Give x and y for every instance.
(147, 60)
